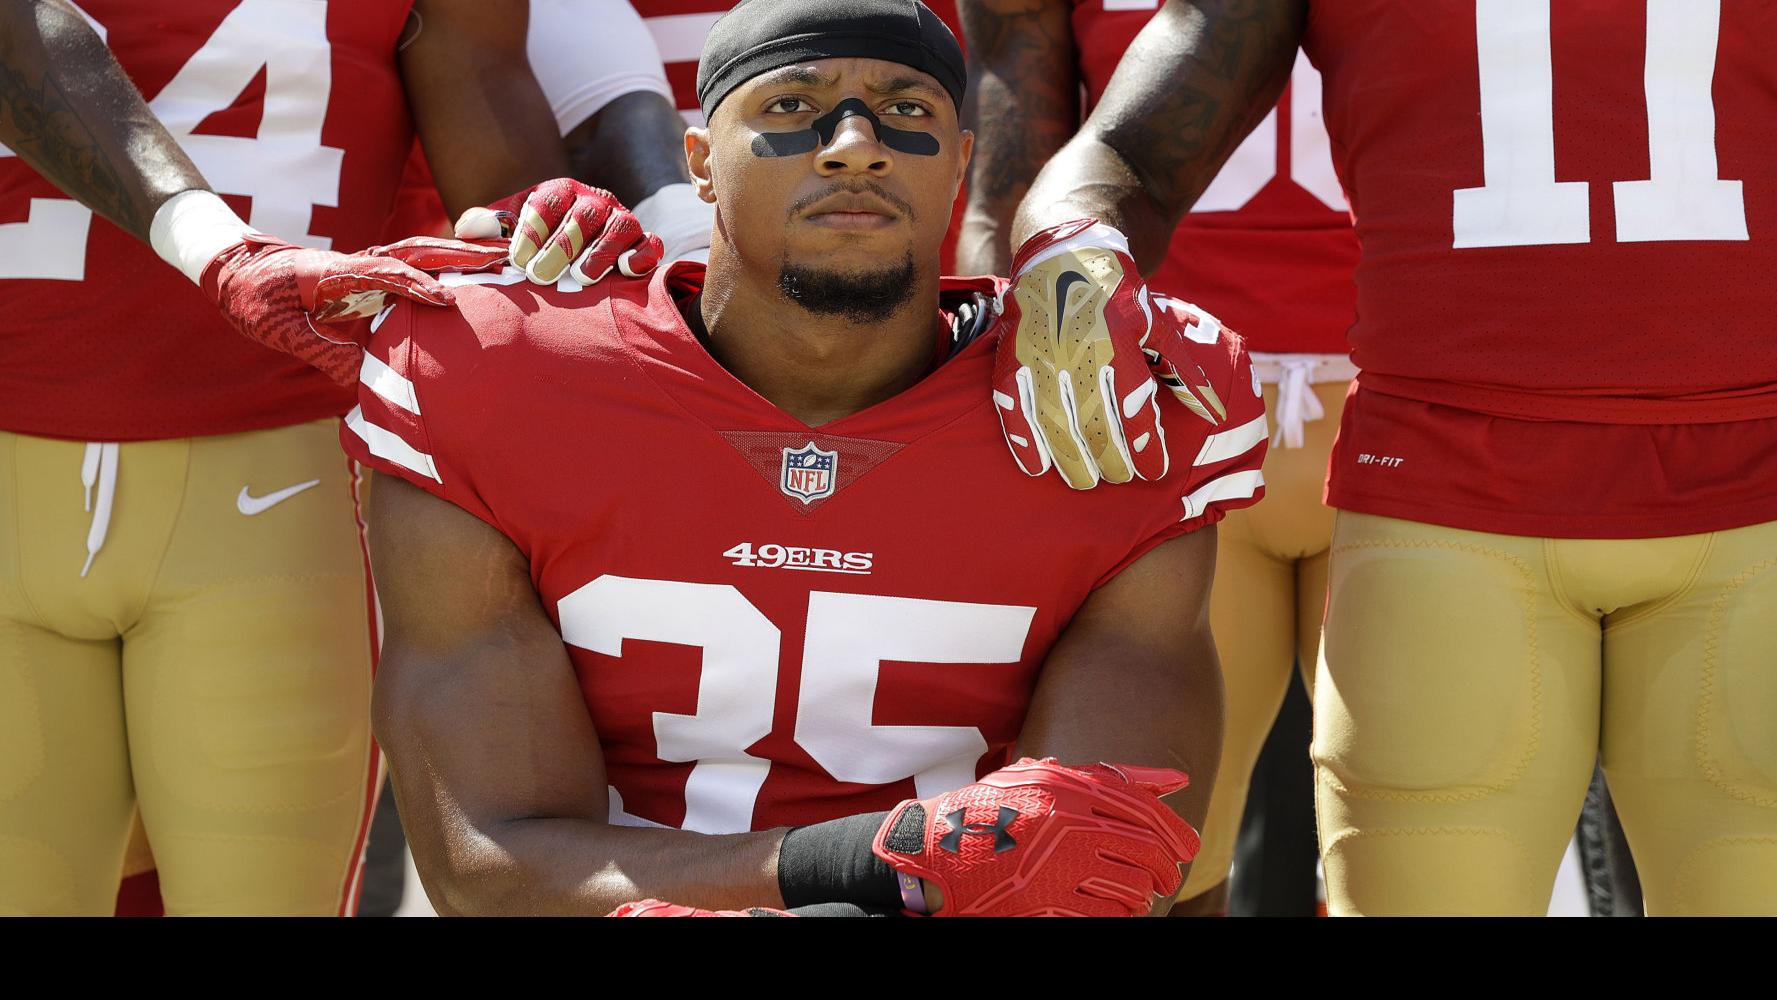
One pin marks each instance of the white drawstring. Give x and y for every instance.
(89, 472)
(98, 465)
(1296, 404)
(1295, 375)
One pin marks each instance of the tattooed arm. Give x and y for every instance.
(1023, 103)
(69, 111)
(1197, 79)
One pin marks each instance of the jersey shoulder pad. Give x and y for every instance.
(1225, 436)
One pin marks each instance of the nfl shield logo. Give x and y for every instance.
(809, 473)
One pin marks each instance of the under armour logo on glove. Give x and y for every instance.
(1001, 830)
(1088, 841)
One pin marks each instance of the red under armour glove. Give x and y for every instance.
(656, 908)
(564, 227)
(1074, 383)
(275, 293)
(1040, 838)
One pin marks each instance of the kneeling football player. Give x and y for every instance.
(716, 587)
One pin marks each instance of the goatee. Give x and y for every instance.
(859, 296)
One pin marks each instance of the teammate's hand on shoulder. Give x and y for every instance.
(1074, 384)
(656, 908)
(565, 227)
(1071, 385)
(276, 293)
(1040, 838)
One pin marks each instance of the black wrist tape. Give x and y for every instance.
(831, 863)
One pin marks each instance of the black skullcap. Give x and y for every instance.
(758, 36)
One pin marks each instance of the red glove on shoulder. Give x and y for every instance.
(1041, 838)
(1075, 379)
(563, 227)
(275, 292)
(656, 908)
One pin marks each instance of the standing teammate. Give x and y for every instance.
(187, 562)
(1268, 248)
(618, 689)
(1555, 526)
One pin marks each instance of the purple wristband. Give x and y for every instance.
(913, 895)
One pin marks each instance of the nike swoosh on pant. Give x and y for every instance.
(250, 505)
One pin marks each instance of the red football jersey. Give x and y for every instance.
(294, 111)
(1269, 246)
(680, 27)
(772, 624)
(1567, 214)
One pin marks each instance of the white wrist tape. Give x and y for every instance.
(680, 218)
(191, 228)
(1097, 235)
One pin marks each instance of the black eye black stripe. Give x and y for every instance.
(810, 139)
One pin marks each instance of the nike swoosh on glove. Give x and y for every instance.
(1040, 838)
(276, 293)
(565, 227)
(656, 908)
(1075, 385)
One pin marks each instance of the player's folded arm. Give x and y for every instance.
(495, 761)
(1135, 678)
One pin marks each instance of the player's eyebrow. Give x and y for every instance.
(802, 76)
(899, 84)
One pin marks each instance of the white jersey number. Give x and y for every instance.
(847, 638)
(1254, 163)
(284, 169)
(1521, 203)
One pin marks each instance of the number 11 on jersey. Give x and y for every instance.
(1521, 203)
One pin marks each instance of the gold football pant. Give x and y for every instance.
(1468, 681)
(1265, 610)
(212, 667)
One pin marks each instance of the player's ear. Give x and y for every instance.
(965, 148)
(697, 158)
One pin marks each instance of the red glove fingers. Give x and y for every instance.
(621, 244)
(543, 212)
(1126, 793)
(563, 227)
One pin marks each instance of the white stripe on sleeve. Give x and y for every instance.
(388, 383)
(386, 444)
(1227, 444)
(1234, 486)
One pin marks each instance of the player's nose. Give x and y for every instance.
(856, 148)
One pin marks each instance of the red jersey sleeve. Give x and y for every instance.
(1226, 453)
(416, 409)
(1221, 432)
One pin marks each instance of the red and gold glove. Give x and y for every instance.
(276, 293)
(1041, 838)
(656, 908)
(565, 227)
(1074, 384)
